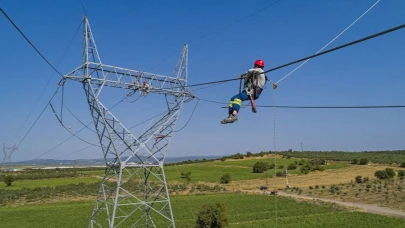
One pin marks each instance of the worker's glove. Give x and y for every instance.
(243, 75)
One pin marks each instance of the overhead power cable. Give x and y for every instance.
(77, 118)
(216, 102)
(64, 141)
(164, 112)
(234, 23)
(312, 107)
(191, 116)
(339, 47)
(218, 30)
(334, 107)
(45, 59)
(83, 8)
(39, 116)
(47, 83)
(308, 57)
(32, 45)
(77, 151)
(75, 134)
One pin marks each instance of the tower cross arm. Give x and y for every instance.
(132, 80)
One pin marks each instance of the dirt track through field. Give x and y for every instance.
(363, 207)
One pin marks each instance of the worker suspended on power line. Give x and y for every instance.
(254, 83)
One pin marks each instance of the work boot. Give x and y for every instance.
(230, 119)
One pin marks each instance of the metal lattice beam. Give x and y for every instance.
(8, 151)
(134, 190)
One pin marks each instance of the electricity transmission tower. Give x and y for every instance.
(134, 190)
(8, 151)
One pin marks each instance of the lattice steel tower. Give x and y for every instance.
(134, 190)
(8, 151)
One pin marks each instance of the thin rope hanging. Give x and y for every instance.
(275, 153)
(341, 33)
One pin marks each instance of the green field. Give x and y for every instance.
(33, 209)
(239, 169)
(242, 210)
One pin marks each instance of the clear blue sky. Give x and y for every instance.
(140, 34)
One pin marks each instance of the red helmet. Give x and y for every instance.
(259, 63)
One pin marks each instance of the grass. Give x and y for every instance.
(242, 210)
(239, 169)
(19, 184)
(207, 173)
(251, 161)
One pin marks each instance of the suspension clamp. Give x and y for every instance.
(62, 82)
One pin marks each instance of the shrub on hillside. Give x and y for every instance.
(334, 189)
(262, 154)
(186, 176)
(292, 166)
(305, 170)
(390, 172)
(385, 174)
(358, 179)
(260, 167)
(401, 173)
(225, 179)
(212, 215)
(318, 167)
(237, 156)
(318, 162)
(364, 161)
(302, 162)
(355, 161)
(281, 173)
(381, 174)
(8, 180)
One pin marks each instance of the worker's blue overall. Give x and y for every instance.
(236, 101)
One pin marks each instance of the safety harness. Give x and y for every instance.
(251, 92)
(252, 89)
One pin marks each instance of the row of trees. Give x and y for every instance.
(224, 158)
(304, 165)
(31, 174)
(389, 173)
(382, 157)
(360, 158)
(361, 161)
